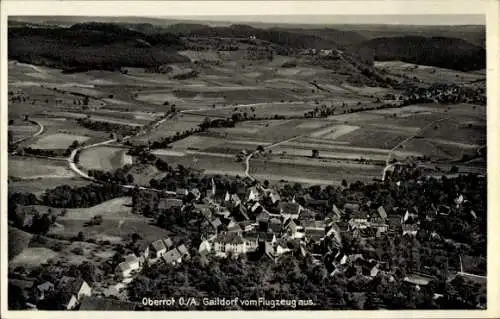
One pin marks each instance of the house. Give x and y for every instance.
(410, 229)
(222, 211)
(267, 237)
(313, 225)
(275, 225)
(315, 235)
(205, 247)
(233, 227)
(43, 290)
(337, 213)
(172, 257)
(183, 251)
(181, 191)
(253, 194)
(382, 212)
(195, 194)
(418, 280)
(263, 216)
(359, 220)
(77, 288)
(274, 197)
(290, 227)
(247, 225)
(269, 251)
(105, 304)
(126, 268)
(234, 243)
(216, 224)
(256, 208)
(160, 247)
(381, 228)
(351, 207)
(141, 249)
(290, 210)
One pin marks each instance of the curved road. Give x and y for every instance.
(40, 131)
(387, 165)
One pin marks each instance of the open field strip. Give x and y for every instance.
(58, 141)
(33, 168)
(335, 131)
(104, 158)
(331, 155)
(344, 148)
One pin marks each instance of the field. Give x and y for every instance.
(21, 130)
(58, 141)
(38, 168)
(40, 185)
(104, 158)
(118, 222)
(429, 74)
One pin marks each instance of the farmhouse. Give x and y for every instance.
(410, 229)
(290, 210)
(43, 290)
(159, 247)
(127, 267)
(77, 288)
(172, 257)
(234, 243)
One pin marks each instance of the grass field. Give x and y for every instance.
(32, 257)
(39, 186)
(58, 141)
(18, 240)
(37, 168)
(428, 74)
(104, 158)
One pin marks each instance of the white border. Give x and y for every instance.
(218, 8)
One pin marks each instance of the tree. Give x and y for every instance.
(344, 183)
(260, 148)
(315, 153)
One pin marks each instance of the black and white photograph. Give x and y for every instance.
(242, 162)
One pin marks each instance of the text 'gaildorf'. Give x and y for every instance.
(227, 302)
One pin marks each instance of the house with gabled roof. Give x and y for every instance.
(275, 197)
(126, 268)
(410, 229)
(351, 207)
(290, 210)
(233, 243)
(253, 194)
(183, 251)
(275, 225)
(77, 289)
(172, 257)
(43, 290)
(205, 247)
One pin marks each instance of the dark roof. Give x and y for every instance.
(23, 284)
(381, 211)
(171, 256)
(313, 224)
(70, 284)
(158, 245)
(289, 207)
(168, 242)
(182, 250)
(229, 238)
(351, 206)
(94, 303)
(266, 236)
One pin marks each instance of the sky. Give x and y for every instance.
(350, 19)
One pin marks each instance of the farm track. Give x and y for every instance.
(39, 132)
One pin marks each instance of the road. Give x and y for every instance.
(40, 131)
(247, 160)
(387, 165)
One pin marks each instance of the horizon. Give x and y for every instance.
(319, 20)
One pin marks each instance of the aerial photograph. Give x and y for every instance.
(160, 163)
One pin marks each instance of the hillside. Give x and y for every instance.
(449, 53)
(92, 46)
(280, 37)
(340, 37)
